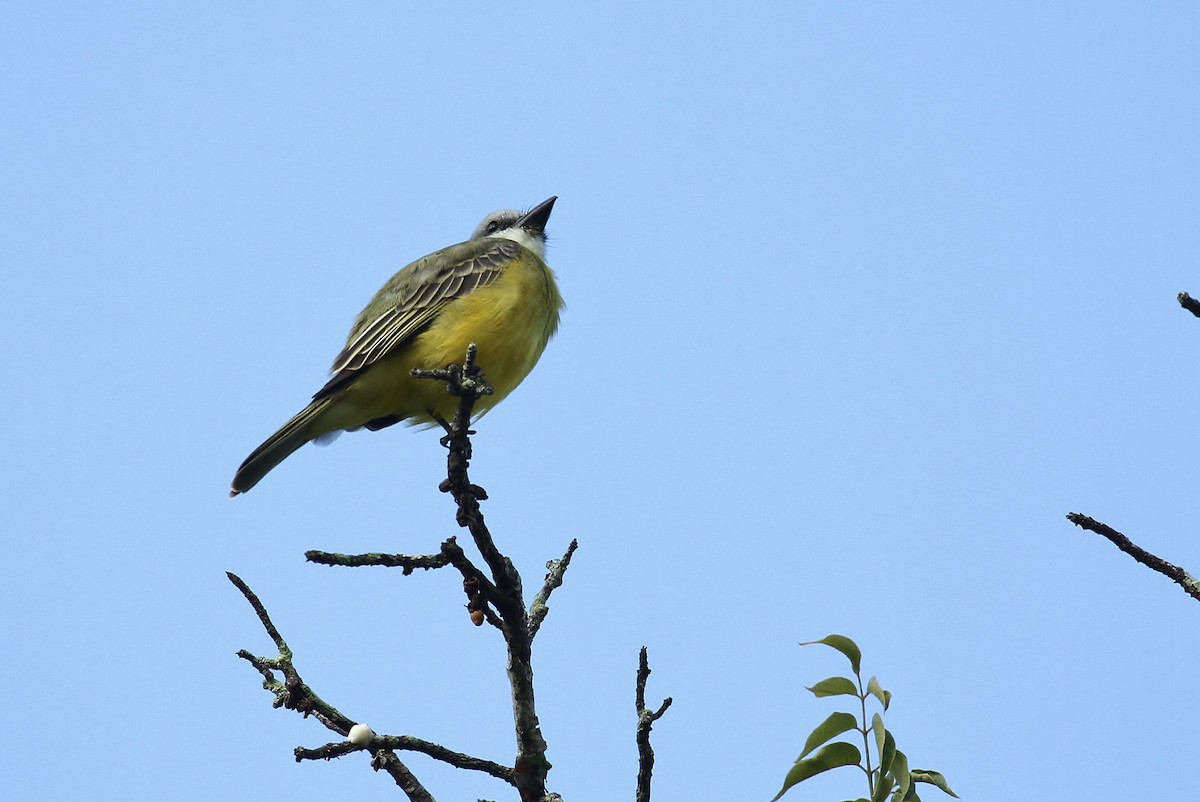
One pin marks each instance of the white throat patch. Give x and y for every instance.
(523, 237)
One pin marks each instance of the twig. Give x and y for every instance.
(646, 719)
(293, 694)
(1185, 580)
(409, 562)
(1189, 303)
(406, 743)
(554, 579)
(284, 652)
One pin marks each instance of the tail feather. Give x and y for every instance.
(279, 446)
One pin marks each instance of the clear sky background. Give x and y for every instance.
(862, 300)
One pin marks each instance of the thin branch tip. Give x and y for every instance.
(1175, 573)
(1189, 303)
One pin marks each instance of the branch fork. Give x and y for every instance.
(494, 596)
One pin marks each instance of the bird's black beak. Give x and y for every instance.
(536, 218)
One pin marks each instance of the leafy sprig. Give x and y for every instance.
(890, 776)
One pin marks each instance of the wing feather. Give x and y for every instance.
(411, 299)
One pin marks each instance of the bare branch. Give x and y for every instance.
(407, 743)
(646, 719)
(261, 612)
(381, 760)
(1189, 303)
(554, 579)
(438, 752)
(384, 760)
(409, 562)
(1185, 580)
(292, 693)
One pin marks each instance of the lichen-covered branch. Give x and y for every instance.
(555, 569)
(292, 693)
(646, 719)
(407, 743)
(1189, 303)
(1189, 583)
(409, 562)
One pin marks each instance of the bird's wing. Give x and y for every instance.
(411, 299)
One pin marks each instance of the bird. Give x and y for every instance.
(494, 289)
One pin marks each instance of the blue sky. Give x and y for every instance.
(862, 300)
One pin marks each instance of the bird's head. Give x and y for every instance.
(527, 228)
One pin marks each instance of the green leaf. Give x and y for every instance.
(831, 756)
(883, 787)
(900, 774)
(878, 730)
(933, 778)
(835, 725)
(887, 755)
(843, 645)
(876, 690)
(834, 686)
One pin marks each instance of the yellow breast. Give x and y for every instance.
(511, 320)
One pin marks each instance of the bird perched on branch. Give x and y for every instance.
(495, 290)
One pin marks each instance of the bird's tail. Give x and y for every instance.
(279, 446)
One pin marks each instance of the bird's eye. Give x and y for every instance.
(493, 226)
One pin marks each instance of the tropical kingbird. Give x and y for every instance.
(495, 290)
